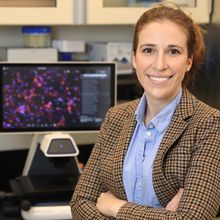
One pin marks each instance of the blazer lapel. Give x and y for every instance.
(174, 131)
(123, 143)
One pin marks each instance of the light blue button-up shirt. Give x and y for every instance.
(138, 162)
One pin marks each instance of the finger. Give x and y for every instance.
(174, 203)
(179, 194)
(181, 190)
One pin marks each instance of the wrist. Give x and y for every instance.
(117, 206)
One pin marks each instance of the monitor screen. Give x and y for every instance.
(56, 96)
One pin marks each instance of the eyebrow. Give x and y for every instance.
(169, 46)
(151, 45)
(173, 45)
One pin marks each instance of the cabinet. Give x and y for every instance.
(128, 11)
(37, 12)
(68, 12)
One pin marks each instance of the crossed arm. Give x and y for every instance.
(109, 205)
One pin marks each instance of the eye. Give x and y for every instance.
(148, 50)
(173, 52)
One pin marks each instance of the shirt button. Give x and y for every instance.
(151, 126)
(148, 133)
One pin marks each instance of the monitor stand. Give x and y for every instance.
(46, 182)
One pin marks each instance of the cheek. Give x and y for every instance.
(180, 67)
(139, 74)
(143, 64)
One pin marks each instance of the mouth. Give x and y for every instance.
(159, 79)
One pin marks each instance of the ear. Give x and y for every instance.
(189, 63)
(133, 60)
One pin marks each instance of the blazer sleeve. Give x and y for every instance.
(201, 198)
(89, 187)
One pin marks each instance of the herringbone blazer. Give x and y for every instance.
(188, 157)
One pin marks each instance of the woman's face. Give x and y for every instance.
(161, 59)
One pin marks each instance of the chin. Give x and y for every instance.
(163, 95)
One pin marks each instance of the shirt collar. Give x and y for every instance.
(163, 118)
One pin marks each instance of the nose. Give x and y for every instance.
(160, 62)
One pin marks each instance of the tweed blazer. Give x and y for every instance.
(188, 157)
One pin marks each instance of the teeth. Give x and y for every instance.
(159, 79)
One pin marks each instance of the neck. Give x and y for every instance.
(154, 106)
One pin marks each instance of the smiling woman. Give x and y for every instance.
(156, 157)
(161, 63)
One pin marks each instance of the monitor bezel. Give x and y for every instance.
(85, 129)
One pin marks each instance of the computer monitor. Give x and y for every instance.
(62, 96)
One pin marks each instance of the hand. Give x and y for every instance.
(174, 203)
(108, 204)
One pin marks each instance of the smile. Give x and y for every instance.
(159, 79)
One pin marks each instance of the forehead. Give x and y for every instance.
(163, 31)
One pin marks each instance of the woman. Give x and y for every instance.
(157, 157)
